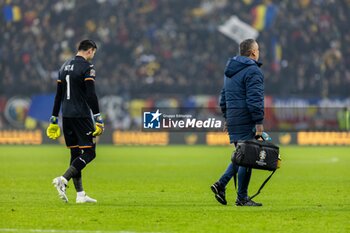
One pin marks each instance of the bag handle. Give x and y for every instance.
(257, 137)
(261, 186)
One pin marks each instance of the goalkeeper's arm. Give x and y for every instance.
(58, 98)
(53, 131)
(92, 101)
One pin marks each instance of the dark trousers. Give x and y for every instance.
(244, 175)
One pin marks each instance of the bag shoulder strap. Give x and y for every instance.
(261, 187)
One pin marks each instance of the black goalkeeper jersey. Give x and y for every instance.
(73, 75)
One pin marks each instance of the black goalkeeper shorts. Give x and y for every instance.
(78, 132)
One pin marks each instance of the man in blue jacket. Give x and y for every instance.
(242, 104)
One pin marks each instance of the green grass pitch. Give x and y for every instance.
(166, 189)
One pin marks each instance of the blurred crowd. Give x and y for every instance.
(173, 47)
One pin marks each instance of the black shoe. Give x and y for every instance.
(219, 193)
(247, 202)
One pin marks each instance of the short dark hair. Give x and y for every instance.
(86, 45)
(245, 47)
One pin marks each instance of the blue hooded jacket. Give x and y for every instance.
(242, 97)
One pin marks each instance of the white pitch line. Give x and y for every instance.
(334, 160)
(328, 160)
(65, 231)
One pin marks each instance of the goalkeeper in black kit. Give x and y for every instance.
(76, 94)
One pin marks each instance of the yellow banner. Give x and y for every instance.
(140, 138)
(323, 138)
(217, 139)
(21, 137)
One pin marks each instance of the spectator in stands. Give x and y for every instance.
(167, 46)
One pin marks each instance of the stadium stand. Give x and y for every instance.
(174, 47)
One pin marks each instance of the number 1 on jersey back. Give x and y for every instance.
(68, 87)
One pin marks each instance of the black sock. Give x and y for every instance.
(78, 184)
(71, 171)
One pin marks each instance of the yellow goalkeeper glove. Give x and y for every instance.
(99, 125)
(53, 131)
